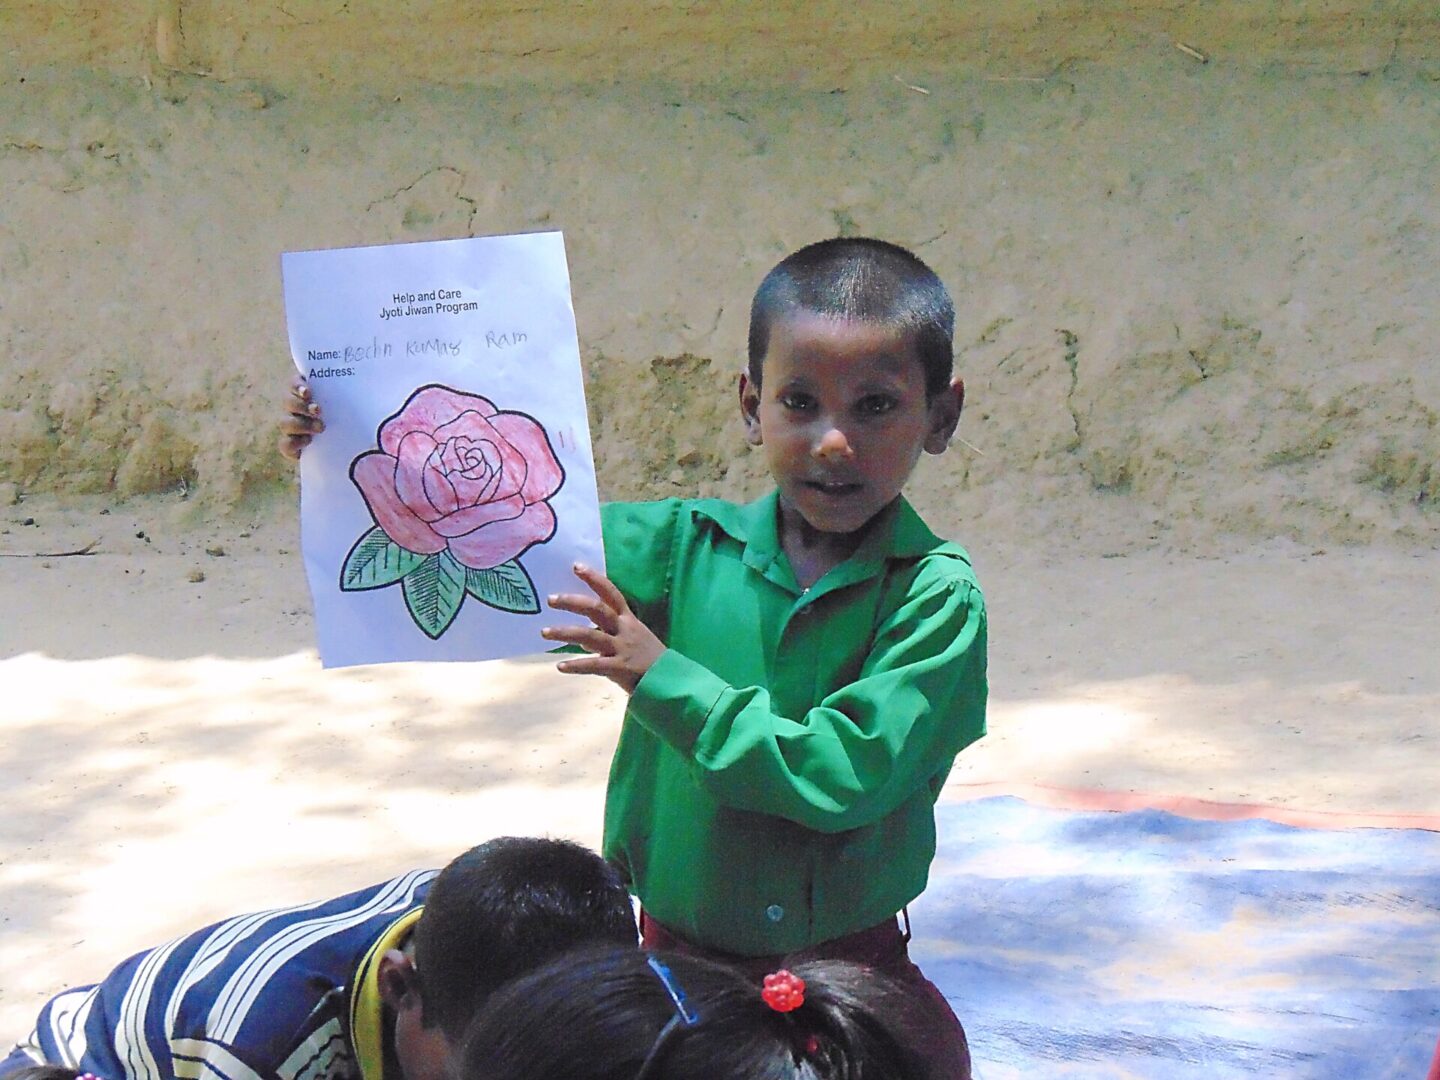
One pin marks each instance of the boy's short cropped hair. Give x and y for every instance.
(506, 907)
(860, 278)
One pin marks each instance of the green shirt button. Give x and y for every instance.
(774, 912)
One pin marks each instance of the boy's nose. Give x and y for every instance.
(833, 444)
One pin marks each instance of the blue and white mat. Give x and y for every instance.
(1144, 944)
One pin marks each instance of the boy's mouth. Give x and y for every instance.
(833, 488)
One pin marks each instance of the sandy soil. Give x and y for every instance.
(173, 750)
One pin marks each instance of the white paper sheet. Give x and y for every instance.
(454, 484)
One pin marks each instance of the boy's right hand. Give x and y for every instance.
(301, 421)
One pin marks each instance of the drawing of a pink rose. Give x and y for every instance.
(458, 490)
(453, 471)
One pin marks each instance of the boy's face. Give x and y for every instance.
(423, 1053)
(843, 416)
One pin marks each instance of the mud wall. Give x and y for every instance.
(1193, 246)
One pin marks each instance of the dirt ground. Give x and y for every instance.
(1193, 247)
(173, 751)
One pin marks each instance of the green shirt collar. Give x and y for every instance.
(897, 532)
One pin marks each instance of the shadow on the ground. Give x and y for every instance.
(169, 756)
(145, 797)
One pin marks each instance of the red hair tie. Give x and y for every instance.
(783, 991)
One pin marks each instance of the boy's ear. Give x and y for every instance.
(945, 410)
(750, 409)
(396, 976)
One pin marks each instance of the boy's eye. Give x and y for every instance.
(876, 404)
(796, 401)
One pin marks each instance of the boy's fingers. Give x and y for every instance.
(292, 445)
(300, 399)
(588, 607)
(589, 638)
(577, 667)
(301, 421)
(598, 665)
(294, 424)
(603, 586)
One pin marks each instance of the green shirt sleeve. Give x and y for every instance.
(865, 748)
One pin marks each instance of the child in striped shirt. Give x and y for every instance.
(378, 984)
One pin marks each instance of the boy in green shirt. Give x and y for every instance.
(802, 670)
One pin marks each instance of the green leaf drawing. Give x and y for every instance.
(506, 587)
(434, 591)
(376, 561)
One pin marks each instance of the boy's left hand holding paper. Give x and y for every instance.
(623, 648)
(300, 421)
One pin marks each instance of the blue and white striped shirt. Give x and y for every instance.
(266, 996)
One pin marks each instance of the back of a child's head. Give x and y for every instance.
(862, 279)
(46, 1072)
(613, 1015)
(506, 907)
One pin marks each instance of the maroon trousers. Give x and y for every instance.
(930, 1023)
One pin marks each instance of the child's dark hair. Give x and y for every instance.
(506, 907)
(43, 1072)
(860, 278)
(625, 1015)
